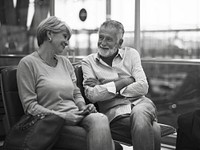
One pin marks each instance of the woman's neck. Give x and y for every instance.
(47, 56)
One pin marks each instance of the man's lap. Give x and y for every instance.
(121, 129)
(121, 125)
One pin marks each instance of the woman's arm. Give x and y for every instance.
(26, 82)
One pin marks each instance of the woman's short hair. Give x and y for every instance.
(52, 24)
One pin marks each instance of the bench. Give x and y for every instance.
(12, 103)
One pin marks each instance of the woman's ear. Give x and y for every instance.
(49, 35)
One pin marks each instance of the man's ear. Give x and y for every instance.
(120, 42)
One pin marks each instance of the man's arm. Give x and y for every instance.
(119, 84)
(95, 90)
(140, 86)
(123, 82)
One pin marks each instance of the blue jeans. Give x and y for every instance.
(140, 128)
(93, 133)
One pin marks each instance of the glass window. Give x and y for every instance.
(170, 28)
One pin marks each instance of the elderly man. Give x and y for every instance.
(114, 78)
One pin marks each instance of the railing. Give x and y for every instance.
(74, 59)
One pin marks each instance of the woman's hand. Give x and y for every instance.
(71, 118)
(90, 108)
(86, 109)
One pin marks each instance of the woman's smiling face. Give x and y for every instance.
(60, 41)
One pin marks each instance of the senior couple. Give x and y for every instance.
(113, 78)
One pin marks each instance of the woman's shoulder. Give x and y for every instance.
(63, 58)
(28, 62)
(28, 58)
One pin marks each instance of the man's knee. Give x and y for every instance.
(141, 117)
(138, 109)
(139, 114)
(156, 128)
(145, 111)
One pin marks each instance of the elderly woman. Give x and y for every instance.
(47, 84)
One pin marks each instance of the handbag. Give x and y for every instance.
(188, 137)
(38, 132)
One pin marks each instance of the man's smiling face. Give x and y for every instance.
(109, 41)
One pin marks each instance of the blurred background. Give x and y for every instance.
(168, 28)
(165, 32)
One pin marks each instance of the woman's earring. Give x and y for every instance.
(49, 39)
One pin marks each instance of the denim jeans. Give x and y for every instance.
(139, 128)
(93, 133)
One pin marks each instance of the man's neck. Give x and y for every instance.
(108, 60)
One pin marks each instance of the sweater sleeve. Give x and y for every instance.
(26, 83)
(76, 93)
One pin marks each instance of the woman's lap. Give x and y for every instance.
(72, 137)
(76, 137)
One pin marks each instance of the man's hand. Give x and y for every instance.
(92, 82)
(123, 82)
(129, 80)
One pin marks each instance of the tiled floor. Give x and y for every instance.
(131, 148)
(127, 147)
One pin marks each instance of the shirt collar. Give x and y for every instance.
(120, 54)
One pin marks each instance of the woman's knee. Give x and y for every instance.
(98, 119)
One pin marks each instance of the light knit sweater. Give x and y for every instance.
(43, 88)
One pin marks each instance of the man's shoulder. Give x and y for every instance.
(90, 57)
(129, 51)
